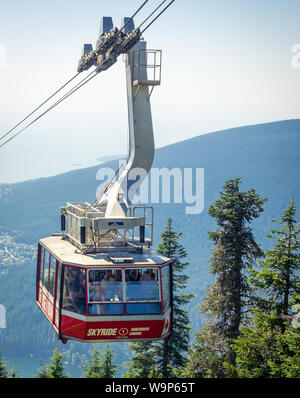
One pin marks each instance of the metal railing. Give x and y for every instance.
(147, 64)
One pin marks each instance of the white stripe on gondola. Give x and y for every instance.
(113, 318)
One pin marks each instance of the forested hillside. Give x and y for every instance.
(265, 155)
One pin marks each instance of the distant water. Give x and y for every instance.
(28, 366)
(31, 172)
(13, 173)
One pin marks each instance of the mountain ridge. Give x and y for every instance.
(233, 129)
(194, 138)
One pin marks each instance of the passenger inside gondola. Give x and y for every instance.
(74, 294)
(96, 294)
(106, 294)
(142, 286)
(105, 291)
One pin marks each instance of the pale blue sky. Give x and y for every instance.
(226, 63)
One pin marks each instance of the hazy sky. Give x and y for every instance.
(226, 63)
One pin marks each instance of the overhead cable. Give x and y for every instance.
(86, 79)
(145, 20)
(131, 18)
(70, 92)
(158, 16)
(43, 103)
(56, 92)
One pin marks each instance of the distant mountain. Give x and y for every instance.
(266, 155)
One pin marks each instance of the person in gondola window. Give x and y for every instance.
(134, 275)
(107, 285)
(108, 277)
(96, 295)
(76, 290)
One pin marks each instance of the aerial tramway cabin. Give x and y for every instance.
(103, 296)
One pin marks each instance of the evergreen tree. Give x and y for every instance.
(42, 372)
(171, 354)
(143, 364)
(100, 366)
(206, 358)
(270, 345)
(290, 352)
(4, 373)
(108, 368)
(277, 279)
(263, 350)
(227, 298)
(14, 373)
(55, 368)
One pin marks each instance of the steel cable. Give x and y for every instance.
(56, 92)
(75, 88)
(83, 82)
(145, 20)
(43, 103)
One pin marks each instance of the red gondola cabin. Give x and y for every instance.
(103, 296)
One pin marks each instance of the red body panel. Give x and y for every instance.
(114, 330)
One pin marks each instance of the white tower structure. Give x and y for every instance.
(111, 220)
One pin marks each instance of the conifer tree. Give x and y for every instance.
(171, 354)
(235, 251)
(270, 345)
(55, 368)
(42, 372)
(108, 368)
(143, 363)
(100, 366)
(263, 350)
(278, 277)
(4, 373)
(14, 372)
